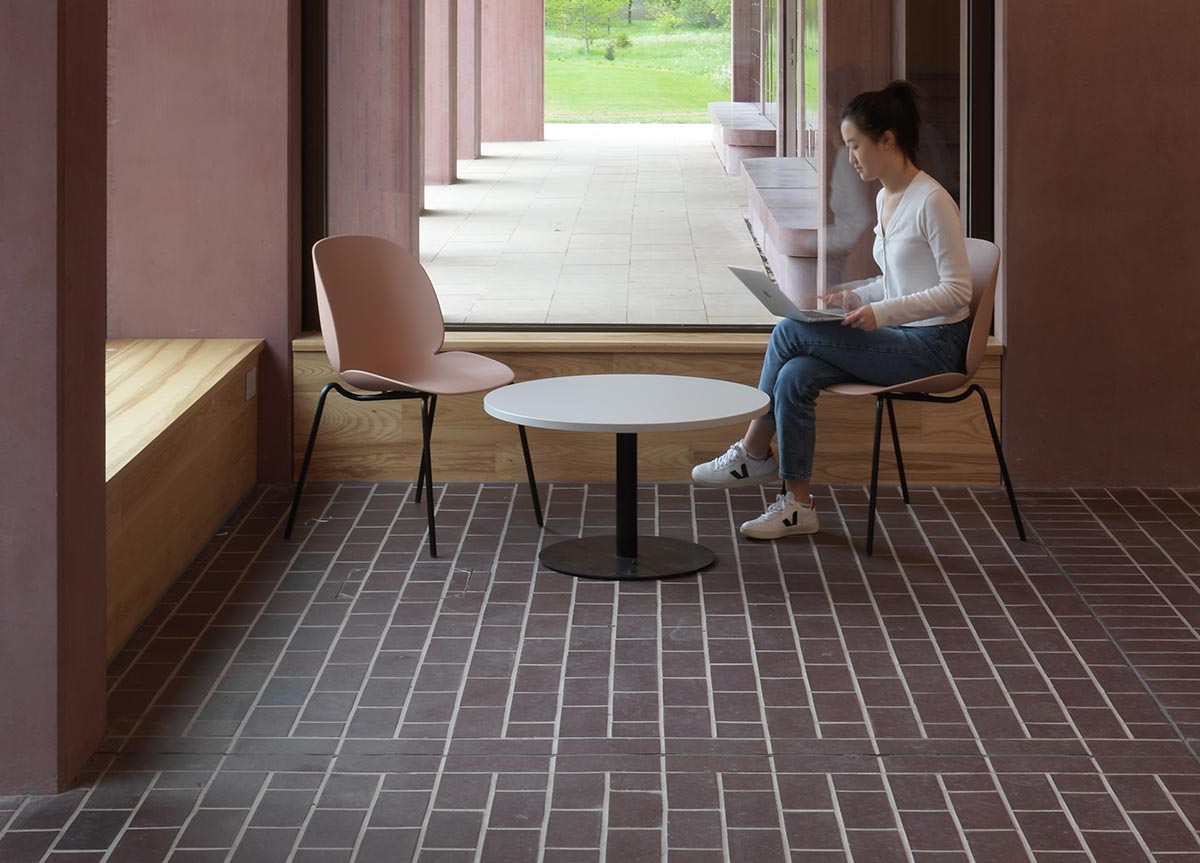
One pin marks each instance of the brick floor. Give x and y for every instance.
(961, 696)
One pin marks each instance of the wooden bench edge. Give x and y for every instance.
(488, 341)
(251, 349)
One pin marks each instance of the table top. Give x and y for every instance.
(625, 403)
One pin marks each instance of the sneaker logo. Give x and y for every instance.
(792, 521)
(741, 472)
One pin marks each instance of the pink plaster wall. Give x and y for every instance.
(203, 184)
(52, 149)
(513, 57)
(375, 153)
(1098, 233)
(469, 80)
(441, 91)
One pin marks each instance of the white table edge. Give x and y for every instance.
(642, 428)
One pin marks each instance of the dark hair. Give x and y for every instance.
(895, 108)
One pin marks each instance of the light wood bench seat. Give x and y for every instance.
(180, 441)
(740, 131)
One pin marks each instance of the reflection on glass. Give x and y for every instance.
(770, 90)
(810, 138)
(932, 62)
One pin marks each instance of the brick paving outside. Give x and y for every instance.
(962, 696)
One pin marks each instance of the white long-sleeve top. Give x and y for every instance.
(926, 275)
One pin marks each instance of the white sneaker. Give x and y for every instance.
(785, 517)
(736, 467)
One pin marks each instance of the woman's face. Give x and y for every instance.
(866, 156)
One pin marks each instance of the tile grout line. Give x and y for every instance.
(452, 565)
(1113, 641)
(948, 799)
(795, 630)
(929, 628)
(221, 761)
(1021, 637)
(346, 618)
(62, 831)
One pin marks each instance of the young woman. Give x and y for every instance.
(910, 322)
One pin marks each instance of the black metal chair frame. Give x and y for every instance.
(425, 475)
(880, 399)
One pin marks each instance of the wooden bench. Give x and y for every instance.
(181, 452)
(946, 444)
(784, 216)
(740, 131)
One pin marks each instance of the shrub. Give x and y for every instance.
(610, 53)
(670, 15)
(623, 41)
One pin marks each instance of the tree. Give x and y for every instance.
(672, 14)
(586, 19)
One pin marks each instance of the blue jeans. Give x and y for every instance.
(802, 359)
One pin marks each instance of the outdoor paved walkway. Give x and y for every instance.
(961, 697)
(599, 224)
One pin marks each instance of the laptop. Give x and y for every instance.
(777, 302)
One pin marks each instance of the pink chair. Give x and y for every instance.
(985, 265)
(384, 332)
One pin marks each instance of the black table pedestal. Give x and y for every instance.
(626, 556)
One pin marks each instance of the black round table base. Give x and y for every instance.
(596, 557)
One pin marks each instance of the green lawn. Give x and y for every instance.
(660, 77)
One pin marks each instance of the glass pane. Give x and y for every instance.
(810, 74)
(770, 60)
(932, 57)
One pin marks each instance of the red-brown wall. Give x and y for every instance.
(52, 249)
(513, 62)
(203, 184)
(375, 175)
(469, 78)
(1098, 229)
(441, 92)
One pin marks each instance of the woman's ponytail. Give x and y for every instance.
(895, 108)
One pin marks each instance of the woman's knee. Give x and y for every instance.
(797, 381)
(791, 338)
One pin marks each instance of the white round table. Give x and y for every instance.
(626, 405)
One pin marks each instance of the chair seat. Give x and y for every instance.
(444, 374)
(934, 384)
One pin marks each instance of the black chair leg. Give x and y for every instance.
(533, 492)
(427, 471)
(896, 447)
(874, 476)
(421, 472)
(1012, 498)
(312, 440)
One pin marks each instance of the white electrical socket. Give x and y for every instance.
(251, 383)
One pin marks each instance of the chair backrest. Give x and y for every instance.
(985, 265)
(379, 312)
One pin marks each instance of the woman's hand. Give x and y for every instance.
(842, 300)
(861, 319)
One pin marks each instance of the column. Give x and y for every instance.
(375, 98)
(469, 74)
(52, 265)
(441, 92)
(745, 28)
(513, 61)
